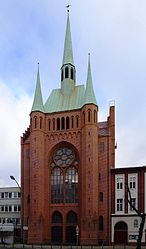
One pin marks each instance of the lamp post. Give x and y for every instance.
(14, 179)
(77, 235)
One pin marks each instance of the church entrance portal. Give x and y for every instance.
(57, 229)
(71, 223)
(120, 233)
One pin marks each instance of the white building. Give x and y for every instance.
(124, 220)
(10, 229)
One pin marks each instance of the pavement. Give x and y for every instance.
(25, 246)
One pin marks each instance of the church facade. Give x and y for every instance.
(66, 157)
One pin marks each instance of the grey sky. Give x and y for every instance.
(114, 32)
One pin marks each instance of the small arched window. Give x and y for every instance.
(53, 124)
(135, 223)
(77, 121)
(35, 122)
(89, 115)
(49, 124)
(95, 116)
(66, 72)
(101, 196)
(101, 225)
(83, 117)
(58, 123)
(41, 120)
(67, 122)
(72, 122)
(72, 73)
(31, 123)
(62, 123)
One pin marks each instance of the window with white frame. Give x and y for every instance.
(119, 183)
(133, 202)
(135, 224)
(120, 204)
(132, 182)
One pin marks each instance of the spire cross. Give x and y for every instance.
(68, 7)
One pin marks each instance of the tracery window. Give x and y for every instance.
(57, 185)
(71, 185)
(64, 176)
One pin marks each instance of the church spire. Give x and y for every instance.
(68, 53)
(38, 101)
(89, 92)
(68, 71)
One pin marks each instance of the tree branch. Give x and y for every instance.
(131, 205)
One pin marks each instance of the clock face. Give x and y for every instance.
(64, 156)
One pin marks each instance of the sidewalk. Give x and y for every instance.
(21, 246)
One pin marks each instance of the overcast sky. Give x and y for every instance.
(114, 32)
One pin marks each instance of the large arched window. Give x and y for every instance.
(64, 176)
(56, 185)
(71, 185)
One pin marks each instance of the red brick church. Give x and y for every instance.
(66, 157)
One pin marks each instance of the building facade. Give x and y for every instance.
(66, 157)
(10, 222)
(124, 220)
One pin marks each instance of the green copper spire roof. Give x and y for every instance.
(68, 53)
(38, 101)
(89, 93)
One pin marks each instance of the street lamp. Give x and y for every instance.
(13, 178)
(77, 235)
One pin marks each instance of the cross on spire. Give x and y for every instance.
(68, 7)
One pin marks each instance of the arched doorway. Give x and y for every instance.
(56, 229)
(71, 223)
(120, 233)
